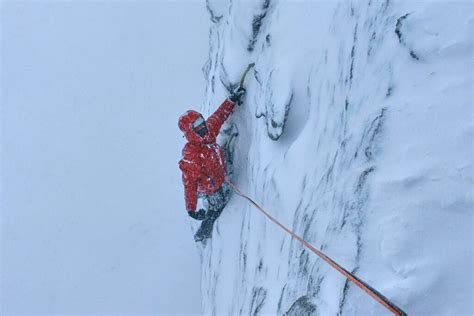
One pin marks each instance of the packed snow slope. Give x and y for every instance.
(357, 133)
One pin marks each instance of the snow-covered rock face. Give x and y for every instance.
(356, 132)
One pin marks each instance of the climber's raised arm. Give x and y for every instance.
(215, 121)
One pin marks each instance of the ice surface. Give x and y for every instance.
(357, 132)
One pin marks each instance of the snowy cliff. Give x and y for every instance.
(356, 132)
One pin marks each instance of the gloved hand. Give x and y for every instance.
(237, 95)
(198, 215)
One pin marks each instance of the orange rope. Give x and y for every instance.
(361, 284)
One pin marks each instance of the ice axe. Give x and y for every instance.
(237, 90)
(224, 77)
(242, 80)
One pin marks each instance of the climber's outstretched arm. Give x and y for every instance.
(215, 121)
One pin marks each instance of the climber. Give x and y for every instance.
(203, 163)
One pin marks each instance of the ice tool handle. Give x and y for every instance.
(242, 79)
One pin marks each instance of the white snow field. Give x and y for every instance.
(356, 132)
(92, 211)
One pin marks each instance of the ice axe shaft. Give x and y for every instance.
(242, 80)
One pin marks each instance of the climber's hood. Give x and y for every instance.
(185, 125)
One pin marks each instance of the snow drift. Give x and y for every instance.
(357, 133)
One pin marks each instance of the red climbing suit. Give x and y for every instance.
(203, 164)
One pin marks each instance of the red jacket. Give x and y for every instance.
(203, 163)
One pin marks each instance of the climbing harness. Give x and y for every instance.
(351, 277)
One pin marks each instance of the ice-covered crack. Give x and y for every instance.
(278, 102)
(351, 70)
(398, 31)
(257, 22)
(214, 17)
(369, 135)
(259, 295)
(301, 307)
